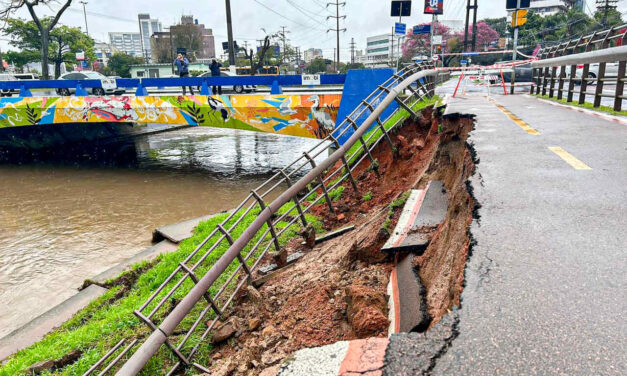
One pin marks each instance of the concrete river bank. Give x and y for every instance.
(61, 223)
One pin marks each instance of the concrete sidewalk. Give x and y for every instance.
(545, 285)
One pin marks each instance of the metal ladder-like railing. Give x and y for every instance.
(247, 245)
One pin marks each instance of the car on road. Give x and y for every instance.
(236, 88)
(8, 92)
(26, 76)
(109, 86)
(611, 71)
(524, 73)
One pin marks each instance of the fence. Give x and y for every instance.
(581, 53)
(140, 84)
(275, 222)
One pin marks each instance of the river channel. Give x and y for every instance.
(61, 223)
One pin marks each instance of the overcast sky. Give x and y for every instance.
(305, 19)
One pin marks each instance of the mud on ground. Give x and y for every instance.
(337, 291)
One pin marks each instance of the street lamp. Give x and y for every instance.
(85, 14)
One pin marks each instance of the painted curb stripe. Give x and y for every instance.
(364, 357)
(569, 158)
(614, 119)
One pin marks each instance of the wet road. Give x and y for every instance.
(61, 224)
(545, 284)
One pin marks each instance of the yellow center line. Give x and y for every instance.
(569, 158)
(521, 123)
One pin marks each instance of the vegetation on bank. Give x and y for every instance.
(586, 105)
(107, 320)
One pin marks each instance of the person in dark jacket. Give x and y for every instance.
(182, 66)
(215, 72)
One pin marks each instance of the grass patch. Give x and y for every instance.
(399, 202)
(104, 322)
(367, 197)
(356, 151)
(586, 105)
(336, 193)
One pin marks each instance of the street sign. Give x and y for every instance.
(310, 79)
(434, 6)
(464, 62)
(401, 8)
(512, 4)
(400, 28)
(435, 57)
(422, 29)
(437, 39)
(80, 56)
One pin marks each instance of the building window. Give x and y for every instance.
(378, 42)
(140, 74)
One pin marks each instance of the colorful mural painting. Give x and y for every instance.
(312, 115)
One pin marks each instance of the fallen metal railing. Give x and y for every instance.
(247, 245)
(586, 50)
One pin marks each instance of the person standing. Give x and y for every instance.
(182, 66)
(215, 72)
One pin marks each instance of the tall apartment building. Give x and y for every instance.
(381, 50)
(127, 42)
(147, 27)
(311, 54)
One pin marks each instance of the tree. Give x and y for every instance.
(21, 58)
(498, 24)
(257, 63)
(8, 7)
(316, 65)
(120, 64)
(347, 67)
(189, 37)
(65, 41)
(485, 35)
(161, 49)
(420, 44)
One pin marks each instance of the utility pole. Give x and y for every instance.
(85, 14)
(337, 29)
(352, 50)
(474, 27)
(605, 6)
(284, 39)
(229, 27)
(392, 36)
(298, 59)
(515, 15)
(468, 8)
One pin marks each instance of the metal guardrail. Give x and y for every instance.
(141, 84)
(247, 245)
(586, 50)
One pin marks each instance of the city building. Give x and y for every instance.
(382, 50)
(550, 7)
(103, 52)
(206, 49)
(147, 27)
(311, 54)
(127, 42)
(360, 57)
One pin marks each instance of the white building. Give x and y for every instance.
(382, 50)
(311, 54)
(147, 27)
(103, 52)
(127, 42)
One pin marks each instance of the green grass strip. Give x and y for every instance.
(586, 105)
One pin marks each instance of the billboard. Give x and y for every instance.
(434, 6)
(401, 9)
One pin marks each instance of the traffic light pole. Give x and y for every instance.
(515, 17)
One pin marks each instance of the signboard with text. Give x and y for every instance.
(400, 28)
(422, 29)
(434, 6)
(437, 39)
(310, 79)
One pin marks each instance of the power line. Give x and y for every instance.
(284, 17)
(337, 29)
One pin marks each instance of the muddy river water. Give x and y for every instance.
(61, 223)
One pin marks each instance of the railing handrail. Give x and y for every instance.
(281, 80)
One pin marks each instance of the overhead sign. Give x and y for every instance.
(434, 6)
(512, 4)
(464, 62)
(401, 8)
(80, 56)
(310, 79)
(422, 29)
(400, 28)
(437, 39)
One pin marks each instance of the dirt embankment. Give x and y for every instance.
(337, 291)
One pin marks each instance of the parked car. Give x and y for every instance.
(109, 85)
(237, 88)
(524, 73)
(611, 71)
(26, 76)
(8, 92)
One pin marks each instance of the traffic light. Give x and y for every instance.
(438, 49)
(519, 17)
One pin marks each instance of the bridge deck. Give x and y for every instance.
(545, 289)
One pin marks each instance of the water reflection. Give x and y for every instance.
(64, 221)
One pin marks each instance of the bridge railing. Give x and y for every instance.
(550, 72)
(205, 291)
(140, 84)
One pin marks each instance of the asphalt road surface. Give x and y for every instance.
(545, 285)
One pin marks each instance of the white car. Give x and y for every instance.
(109, 85)
(237, 88)
(8, 92)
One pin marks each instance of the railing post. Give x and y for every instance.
(560, 86)
(346, 165)
(620, 85)
(24, 92)
(295, 199)
(552, 82)
(598, 94)
(262, 205)
(584, 74)
(571, 83)
(545, 81)
(321, 180)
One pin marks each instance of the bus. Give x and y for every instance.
(263, 71)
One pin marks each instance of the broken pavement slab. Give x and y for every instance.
(178, 232)
(408, 309)
(423, 212)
